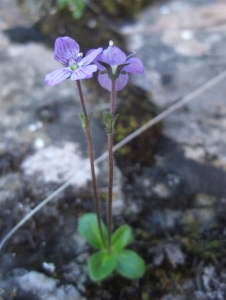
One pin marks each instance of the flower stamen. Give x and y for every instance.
(132, 54)
(73, 66)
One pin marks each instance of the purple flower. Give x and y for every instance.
(115, 66)
(66, 51)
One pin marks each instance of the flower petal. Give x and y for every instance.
(57, 76)
(83, 72)
(121, 81)
(135, 66)
(65, 50)
(113, 56)
(90, 57)
(106, 82)
(96, 62)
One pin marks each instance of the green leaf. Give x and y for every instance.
(88, 229)
(109, 121)
(129, 264)
(78, 10)
(62, 3)
(121, 237)
(76, 7)
(82, 119)
(101, 264)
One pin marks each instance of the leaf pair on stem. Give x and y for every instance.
(102, 263)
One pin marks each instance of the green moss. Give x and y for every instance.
(121, 9)
(88, 36)
(135, 109)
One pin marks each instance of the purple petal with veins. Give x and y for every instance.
(113, 56)
(57, 76)
(121, 81)
(66, 49)
(106, 82)
(90, 57)
(96, 62)
(84, 72)
(135, 66)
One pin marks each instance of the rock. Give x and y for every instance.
(153, 182)
(166, 220)
(185, 291)
(214, 286)
(12, 152)
(173, 297)
(194, 177)
(48, 267)
(172, 252)
(204, 217)
(58, 164)
(180, 52)
(203, 200)
(161, 190)
(41, 287)
(48, 112)
(75, 274)
(11, 188)
(159, 256)
(118, 204)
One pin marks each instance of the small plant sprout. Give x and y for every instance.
(113, 66)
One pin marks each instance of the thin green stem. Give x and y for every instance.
(91, 157)
(111, 167)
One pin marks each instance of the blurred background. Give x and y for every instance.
(169, 181)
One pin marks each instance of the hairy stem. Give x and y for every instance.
(111, 167)
(112, 100)
(91, 158)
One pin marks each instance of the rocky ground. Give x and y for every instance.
(169, 183)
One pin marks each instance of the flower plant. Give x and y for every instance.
(113, 66)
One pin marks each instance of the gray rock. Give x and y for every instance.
(173, 297)
(203, 217)
(164, 220)
(76, 273)
(202, 200)
(46, 288)
(58, 164)
(172, 252)
(181, 58)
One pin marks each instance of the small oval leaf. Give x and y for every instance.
(88, 229)
(121, 238)
(130, 265)
(101, 264)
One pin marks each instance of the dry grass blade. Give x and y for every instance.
(208, 85)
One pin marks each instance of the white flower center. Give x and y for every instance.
(114, 68)
(73, 65)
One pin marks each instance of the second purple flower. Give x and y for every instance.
(114, 65)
